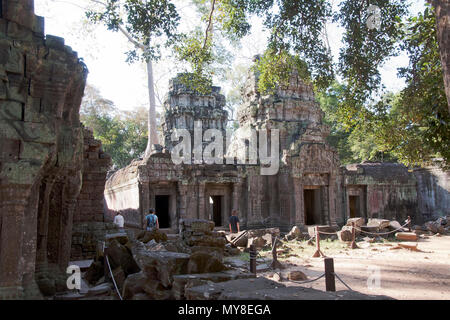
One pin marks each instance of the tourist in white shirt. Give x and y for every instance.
(119, 221)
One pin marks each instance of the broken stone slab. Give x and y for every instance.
(345, 235)
(103, 289)
(239, 239)
(146, 236)
(196, 225)
(120, 256)
(379, 223)
(183, 282)
(70, 296)
(297, 275)
(275, 232)
(358, 221)
(133, 285)
(406, 236)
(327, 229)
(122, 238)
(395, 225)
(161, 265)
(155, 290)
(349, 228)
(204, 262)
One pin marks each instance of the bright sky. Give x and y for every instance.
(104, 52)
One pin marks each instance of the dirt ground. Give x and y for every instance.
(404, 274)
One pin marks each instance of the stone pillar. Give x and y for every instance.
(237, 191)
(202, 212)
(332, 197)
(11, 264)
(145, 201)
(299, 218)
(183, 190)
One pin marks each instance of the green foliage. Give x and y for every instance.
(123, 133)
(275, 68)
(415, 125)
(366, 49)
(143, 21)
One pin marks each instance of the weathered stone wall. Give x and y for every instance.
(389, 190)
(433, 192)
(41, 86)
(90, 202)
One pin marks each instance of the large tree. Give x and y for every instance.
(147, 24)
(442, 12)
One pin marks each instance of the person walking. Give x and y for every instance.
(119, 221)
(234, 222)
(152, 220)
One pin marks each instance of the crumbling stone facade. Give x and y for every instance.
(308, 166)
(41, 156)
(310, 187)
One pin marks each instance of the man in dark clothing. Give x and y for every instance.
(234, 222)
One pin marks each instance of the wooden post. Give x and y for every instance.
(353, 243)
(330, 281)
(318, 253)
(275, 263)
(253, 255)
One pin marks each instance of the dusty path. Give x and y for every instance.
(404, 274)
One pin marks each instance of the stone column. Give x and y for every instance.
(13, 205)
(182, 190)
(145, 200)
(202, 212)
(299, 218)
(332, 200)
(237, 191)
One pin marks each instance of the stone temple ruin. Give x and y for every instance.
(56, 204)
(310, 188)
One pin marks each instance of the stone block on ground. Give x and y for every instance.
(406, 236)
(297, 275)
(327, 229)
(146, 236)
(204, 262)
(122, 238)
(358, 221)
(345, 235)
(395, 225)
(379, 223)
(120, 256)
(134, 284)
(161, 265)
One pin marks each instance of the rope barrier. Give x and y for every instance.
(110, 272)
(308, 281)
(339, 278)
(367, 232)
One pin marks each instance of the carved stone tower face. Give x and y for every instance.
(184, 107)
(291, 109)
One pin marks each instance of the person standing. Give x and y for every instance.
(119, 221)
(152, 220)
(234, 222)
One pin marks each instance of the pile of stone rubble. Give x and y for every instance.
(155, 266)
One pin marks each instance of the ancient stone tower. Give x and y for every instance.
(184, 106)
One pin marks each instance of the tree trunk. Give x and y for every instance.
(442, 8)
(152, 133)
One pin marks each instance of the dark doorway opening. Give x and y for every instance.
(217, 210)
(309, 199)
(354, 206)
(162, 211)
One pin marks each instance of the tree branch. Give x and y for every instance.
(213, 3)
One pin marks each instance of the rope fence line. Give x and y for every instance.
(339, 278)
(110, 272)
(367, 232)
